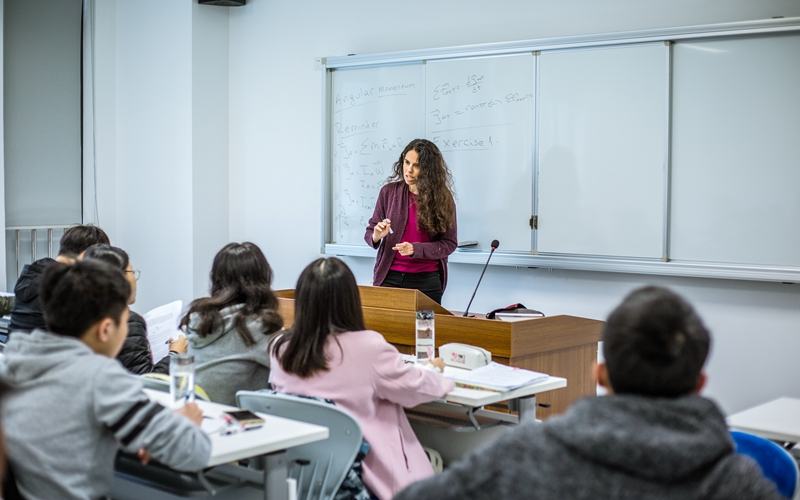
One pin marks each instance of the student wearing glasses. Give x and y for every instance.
(136, 354)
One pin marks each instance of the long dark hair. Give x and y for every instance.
(240, 275)
(435, 202)
(326, 302)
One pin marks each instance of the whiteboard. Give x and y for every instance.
(602, 151)
(375, 113)
(736, 159)
(480, 113)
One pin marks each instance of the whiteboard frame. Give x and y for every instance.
(535, 152)
(667, 152)
(665, 267)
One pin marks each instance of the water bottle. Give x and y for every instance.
(425, 336)
(181, 379)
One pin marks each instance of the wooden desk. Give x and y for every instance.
(562, 346)
(778, 420)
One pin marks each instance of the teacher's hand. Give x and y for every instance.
(405, 249)
(381, 230)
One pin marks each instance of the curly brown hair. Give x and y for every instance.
(435, 202)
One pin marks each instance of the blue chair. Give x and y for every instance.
(775, 462)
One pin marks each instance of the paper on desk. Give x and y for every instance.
(162, 324)
(497, 377)
(213, 425)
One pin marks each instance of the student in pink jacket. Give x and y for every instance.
(328, 353)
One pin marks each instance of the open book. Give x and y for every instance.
(162, 324)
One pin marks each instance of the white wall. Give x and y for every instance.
(105, 114)
(162, 140)
(154, 146)
(275, 158)
(209, 138)
(3, 284)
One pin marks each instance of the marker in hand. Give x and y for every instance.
(386, 221)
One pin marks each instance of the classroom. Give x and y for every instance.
(208, 128)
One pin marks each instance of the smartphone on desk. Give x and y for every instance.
(245, 418)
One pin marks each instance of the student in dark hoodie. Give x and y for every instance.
(653, 437)
(72, 406)
(27, 312)
(136, 354)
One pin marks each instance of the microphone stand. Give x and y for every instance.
(466, 313)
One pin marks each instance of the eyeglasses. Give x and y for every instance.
(136, 273)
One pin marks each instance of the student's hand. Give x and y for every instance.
(179, 345)
(144, 456)
(381, 230)
(437, 362)
(192, 412)
(405, 248)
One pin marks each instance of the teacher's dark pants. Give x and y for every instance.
(428, 283)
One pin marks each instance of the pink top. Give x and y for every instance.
(412, 234)
(368, 378)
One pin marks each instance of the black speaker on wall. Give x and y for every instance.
(223, 3)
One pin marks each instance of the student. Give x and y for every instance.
(136, 355)
(328, 353)
(229, 331)
(27, 312)
(72, 406)
(652, 437)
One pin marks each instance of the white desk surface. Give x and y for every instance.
(276, 434)
(778, 420)
(477, 397)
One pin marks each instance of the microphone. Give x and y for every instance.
(495, 244)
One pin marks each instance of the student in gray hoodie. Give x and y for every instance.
(229, 332)
(653, 437)
(72, 406)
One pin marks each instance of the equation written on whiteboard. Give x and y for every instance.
(369, 94)
(364, 151)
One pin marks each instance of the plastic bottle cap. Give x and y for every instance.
(183, 359)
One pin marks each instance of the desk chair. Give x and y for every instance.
(160, 382)
(319, 468)
(775, 462)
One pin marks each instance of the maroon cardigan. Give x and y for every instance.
(392, 204)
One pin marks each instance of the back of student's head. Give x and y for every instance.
(77, 239)
(114, 256)
(655, 344)
(240, 274)
(76, 296)
(326, 301)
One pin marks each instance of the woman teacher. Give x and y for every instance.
(414, 224)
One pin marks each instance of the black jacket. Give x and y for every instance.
(27, 312)
(135, 355)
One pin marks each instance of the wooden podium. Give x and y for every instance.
(563, 346)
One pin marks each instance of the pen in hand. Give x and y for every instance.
(390, 227)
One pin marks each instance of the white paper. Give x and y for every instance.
(212, 425)
(497, 376)
(162, 324)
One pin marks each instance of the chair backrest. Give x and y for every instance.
(319, 468)
(160, 382)
(776, 463)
